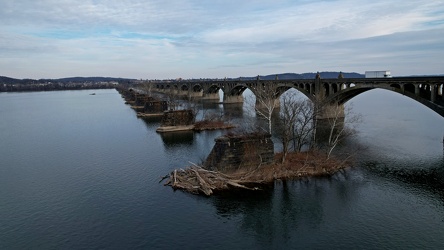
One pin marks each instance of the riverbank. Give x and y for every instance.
(197, 180)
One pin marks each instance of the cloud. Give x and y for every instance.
(191, 38)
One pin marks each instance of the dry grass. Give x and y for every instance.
(312, 163)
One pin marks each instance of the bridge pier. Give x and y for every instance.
(181, 93)
(194, 94)
(261, 105)
(328, 117)
(211, 96)
(233, 98)
(439, 92)
(171, 92)
(433, 93)
(324, 128)
(417, 89)
(330, 111)
(231, 153)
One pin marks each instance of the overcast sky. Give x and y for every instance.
(159, 39)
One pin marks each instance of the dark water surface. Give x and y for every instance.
(81, 171)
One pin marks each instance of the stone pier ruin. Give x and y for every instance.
(177, 120)
(155, 107)
(232, 152)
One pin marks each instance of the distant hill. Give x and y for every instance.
(327, 74)
(93, 79)
(9, 80)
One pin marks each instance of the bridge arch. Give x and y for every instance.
(409, 88)
(396, 86)
(308, 87)
(283, 90)
(346, 95)
(197, 88)
(238, 90)
(334, 87)
(213, 89)
(326, 89)
(425, 90)
(304, 89)
(234, 94)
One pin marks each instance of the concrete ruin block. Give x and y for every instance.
(232, 152)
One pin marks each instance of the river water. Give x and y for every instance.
(81, 171)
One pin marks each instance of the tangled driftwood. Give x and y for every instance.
(197, 180)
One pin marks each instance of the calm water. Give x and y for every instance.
(81, 171)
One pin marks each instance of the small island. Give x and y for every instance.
(248, 162)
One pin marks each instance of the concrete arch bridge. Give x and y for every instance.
(336, 91)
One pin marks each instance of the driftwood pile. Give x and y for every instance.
(197, 180)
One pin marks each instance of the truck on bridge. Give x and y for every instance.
(378, 74)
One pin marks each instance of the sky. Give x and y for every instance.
(168, 39)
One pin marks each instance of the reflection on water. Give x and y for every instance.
(429, 178)
(152, 119)
(233, 111)
(178, 138)
(208, 104)
(274, 214)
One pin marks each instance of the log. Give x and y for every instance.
(175, 180)
(163, 178)
(204, 187)
(235, 184)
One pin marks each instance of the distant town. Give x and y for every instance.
(75, 83)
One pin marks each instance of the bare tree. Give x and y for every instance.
(288, 116)
(191, 104)
(146, 87)
(296, 121)
(318, 124)
(267, 100)
(304, 125)
(342, 123)
(172, 100)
